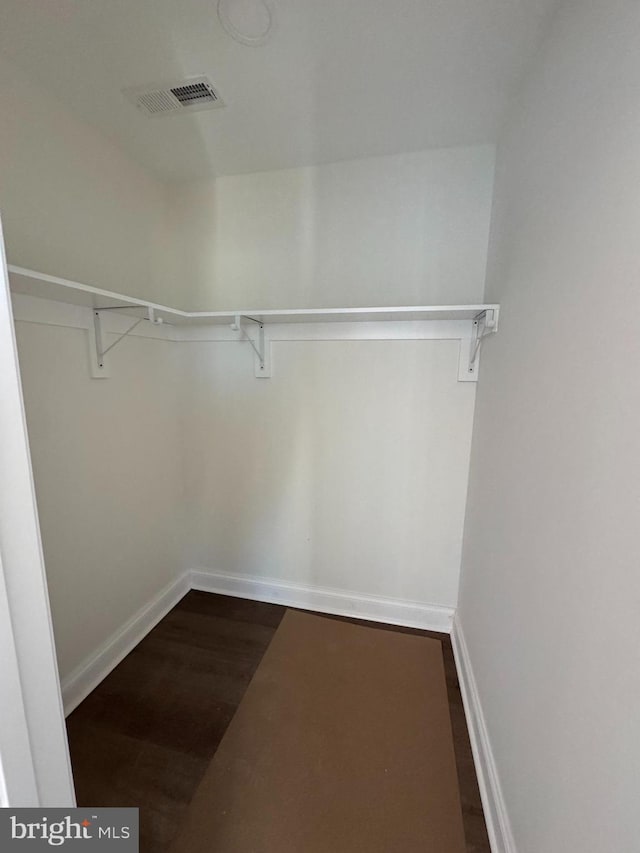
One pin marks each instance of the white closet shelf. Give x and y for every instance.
(60, 290)
(482, 318)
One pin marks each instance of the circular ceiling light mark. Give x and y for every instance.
(248, 21)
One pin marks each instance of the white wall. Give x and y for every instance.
(550, 590)
(346, 470)
(108, 479)
(400, 230)
(104, 453)
(73, 204)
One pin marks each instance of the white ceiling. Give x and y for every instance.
(339, 79)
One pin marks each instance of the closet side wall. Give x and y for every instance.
(550, 590)
(108, 479)
(105, 453)
(75, 206)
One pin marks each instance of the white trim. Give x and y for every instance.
(93, 669)
(86, 677)
(18, 782)
(35, 767)
(495, 810)
(410, 614)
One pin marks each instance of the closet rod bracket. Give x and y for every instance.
(261, 345)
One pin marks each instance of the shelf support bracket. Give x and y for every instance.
(484, 324)
(98, 351)
(261, 347)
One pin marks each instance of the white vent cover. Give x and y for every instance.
(197, 93)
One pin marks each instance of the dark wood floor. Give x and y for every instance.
(145, 736)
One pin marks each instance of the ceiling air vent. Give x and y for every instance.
(175, 98)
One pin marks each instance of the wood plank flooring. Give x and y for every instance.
(146, 735)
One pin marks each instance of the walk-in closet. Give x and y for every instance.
(318, 425)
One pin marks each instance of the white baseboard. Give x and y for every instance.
(86, 677)
(428, 617)
(495, 810)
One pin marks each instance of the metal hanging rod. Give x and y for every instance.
(121, 307)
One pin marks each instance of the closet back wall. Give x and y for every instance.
(345, 474)
(410, 229)
(346, 471)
